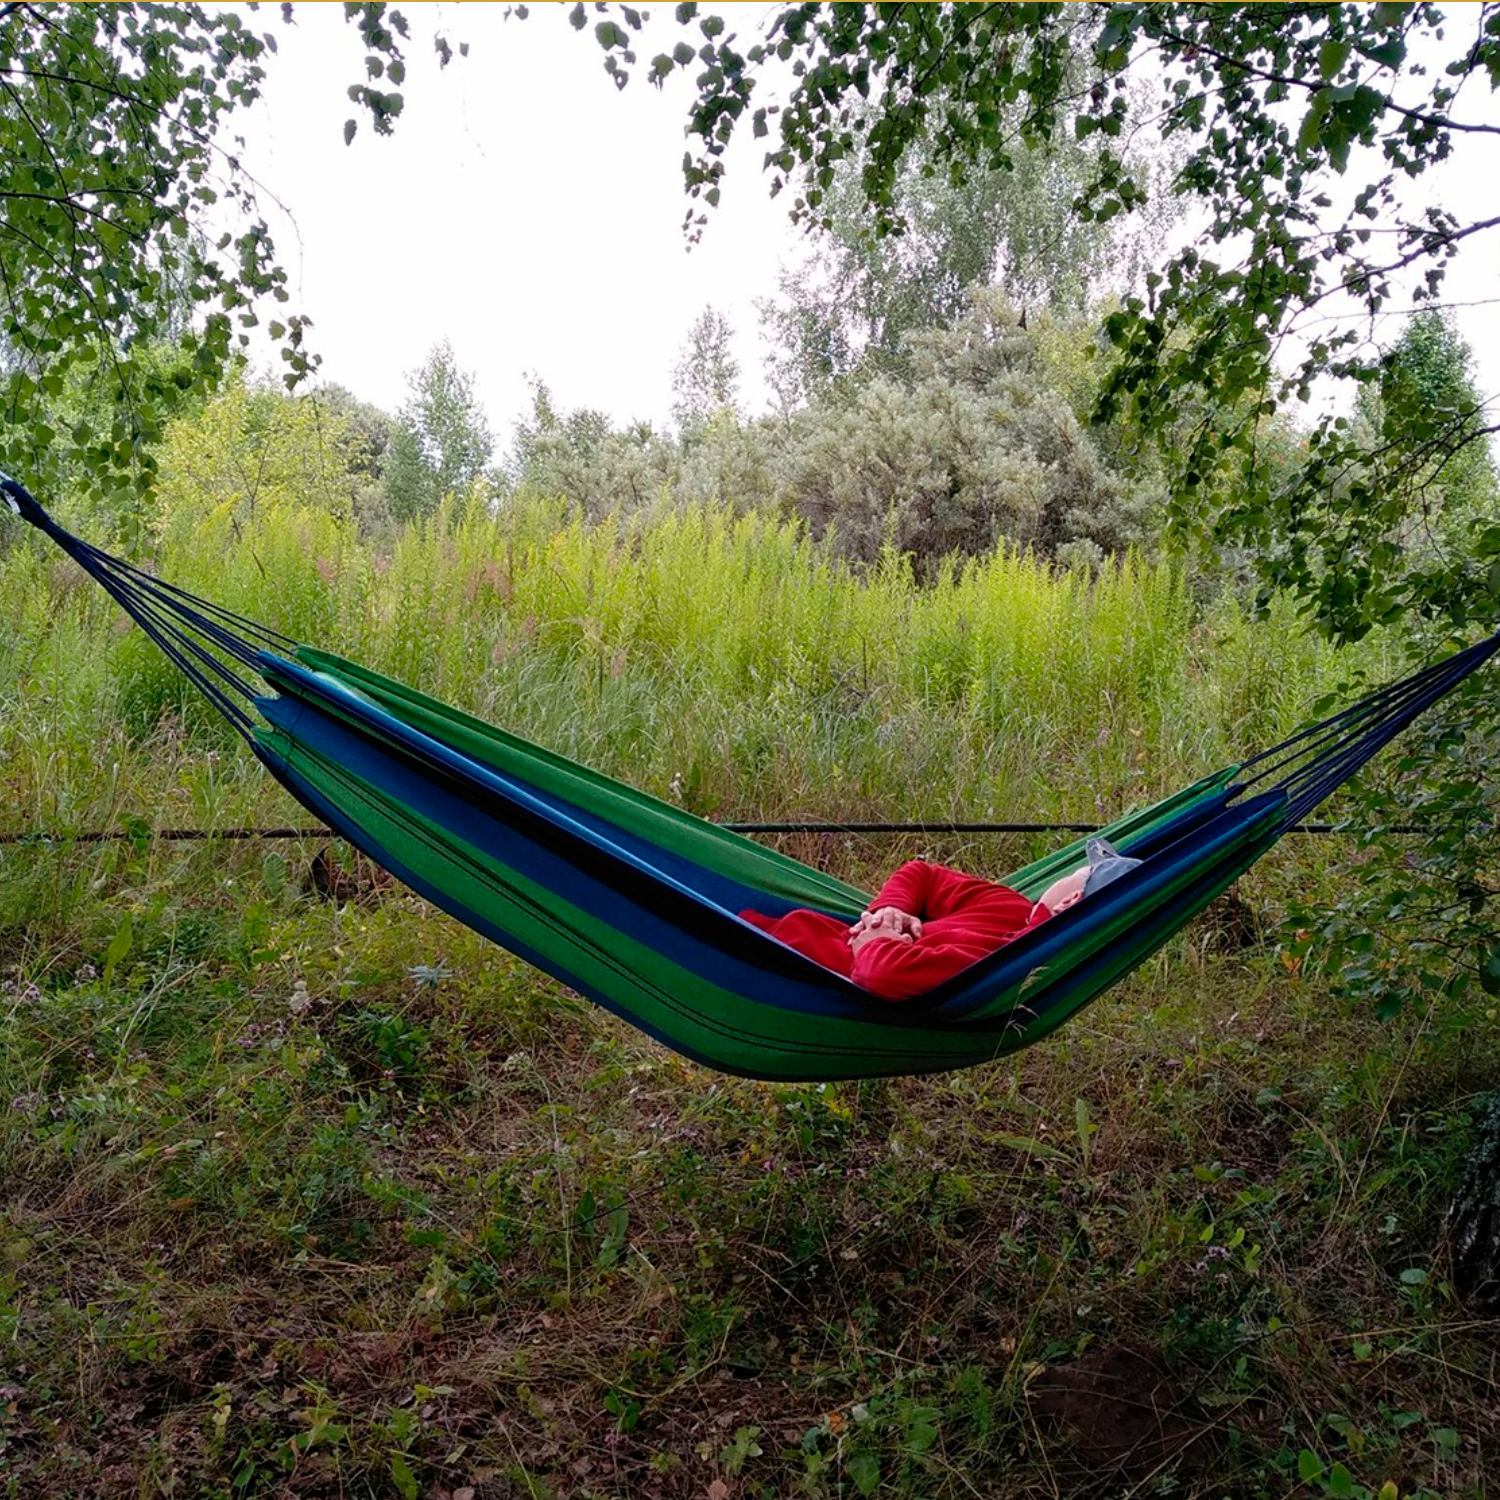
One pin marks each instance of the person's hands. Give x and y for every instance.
(887, 924)
(891, 919)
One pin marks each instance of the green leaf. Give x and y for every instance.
(1030, 1147)
(1309, 1466)
(119, 947)
(1331, 58)
(921, 1435)
(1389, 54)
(1340, 1483)
(1489, 973)
(863, 1469)
(403, 1478)
(1312, 124)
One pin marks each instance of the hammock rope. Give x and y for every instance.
(635, 903)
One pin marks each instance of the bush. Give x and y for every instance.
(976, 448)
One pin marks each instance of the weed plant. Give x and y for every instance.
(316, 1198)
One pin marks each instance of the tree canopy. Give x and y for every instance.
(1302, 128)
(860, 297)
(441, 443)
(707, 375)
(135, 257)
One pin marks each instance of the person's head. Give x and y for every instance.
(1105, 864)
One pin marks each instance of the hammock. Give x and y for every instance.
(634, 903)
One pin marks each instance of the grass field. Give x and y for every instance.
(326, 1197)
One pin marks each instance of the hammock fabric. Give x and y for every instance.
(633, 902)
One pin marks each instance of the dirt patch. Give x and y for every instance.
(1229, 925)
(1118, 1411)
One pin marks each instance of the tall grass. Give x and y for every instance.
(727, 660)
(336, 1198)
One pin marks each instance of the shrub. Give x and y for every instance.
(976, 448)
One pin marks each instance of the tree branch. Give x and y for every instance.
(1309, 86)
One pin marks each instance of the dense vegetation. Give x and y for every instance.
(309, 1192)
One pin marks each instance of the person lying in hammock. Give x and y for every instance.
(929, 921)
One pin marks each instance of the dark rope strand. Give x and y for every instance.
(187, 607)
(181, 649)
(107, 835)
(1315, 782)
(1310, 742)
(210, 616)
(177, 649)
(1392, 697)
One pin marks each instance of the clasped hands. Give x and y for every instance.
(887, 924)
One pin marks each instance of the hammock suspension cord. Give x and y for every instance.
(183, 625)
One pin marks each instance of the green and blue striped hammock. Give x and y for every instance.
(634, 903)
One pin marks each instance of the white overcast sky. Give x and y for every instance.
(523, 209)
(531, 214)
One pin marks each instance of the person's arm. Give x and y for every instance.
(897, 970)
(911, 889)
(898, 909)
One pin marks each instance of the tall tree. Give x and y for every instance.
(580, 456)
(972, 447)
(1428, 422)
(706, 377)
(122, 288)
(860, 295)
(442, 442)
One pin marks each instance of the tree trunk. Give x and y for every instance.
(1474, 1215)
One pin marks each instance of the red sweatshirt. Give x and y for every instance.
(963, 917)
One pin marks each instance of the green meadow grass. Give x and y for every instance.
(729, 657)
(332, 1199)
